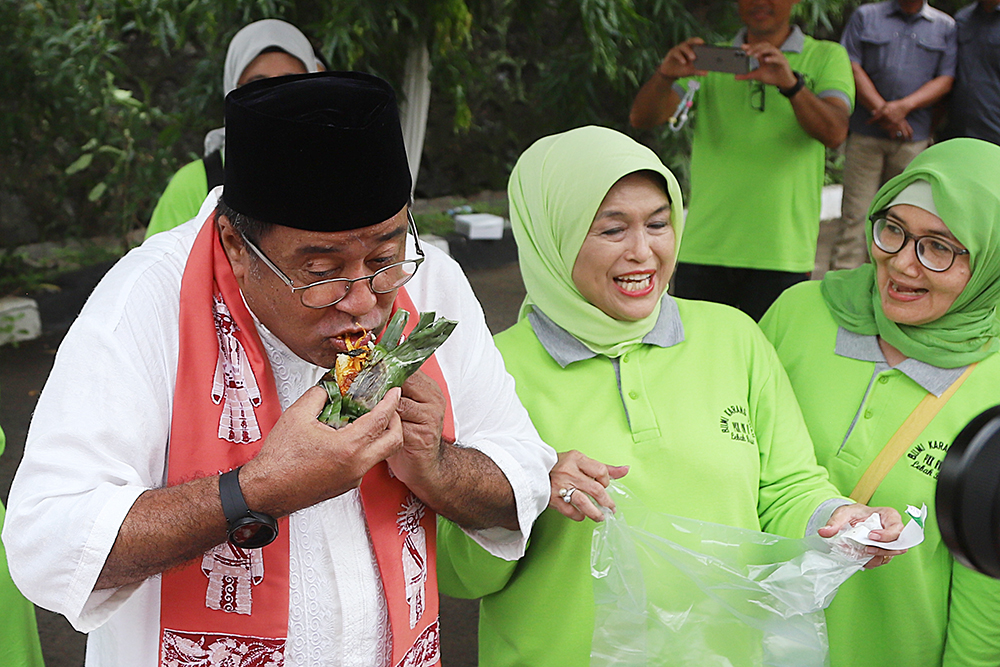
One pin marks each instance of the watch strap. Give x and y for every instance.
(234, 505)
(246, 529)
(800, 82)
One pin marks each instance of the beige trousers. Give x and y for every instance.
(868, 163)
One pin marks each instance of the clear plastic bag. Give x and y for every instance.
(679, 592)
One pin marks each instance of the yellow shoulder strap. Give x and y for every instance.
(903, 438)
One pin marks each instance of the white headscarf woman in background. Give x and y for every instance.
(261, 50)
(245, 55)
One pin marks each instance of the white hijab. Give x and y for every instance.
(246, 45)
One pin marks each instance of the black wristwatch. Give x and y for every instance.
(247, 529)
(800, 82)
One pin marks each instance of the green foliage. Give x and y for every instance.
(23, 272)
(542, 67)
(102, 100)
(18, 275)
(10, 328)
(822, 17)
(90, 112)
(834, 166)
(437, 223)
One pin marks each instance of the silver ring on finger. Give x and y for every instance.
(567, 494)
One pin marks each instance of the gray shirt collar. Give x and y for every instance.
(794, 43)
(564, 347)
(865, 348)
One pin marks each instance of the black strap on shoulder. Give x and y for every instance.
(214, 172)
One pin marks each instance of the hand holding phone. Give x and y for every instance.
(731, 59)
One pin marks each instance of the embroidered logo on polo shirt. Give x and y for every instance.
(927, 456)
(735, 422)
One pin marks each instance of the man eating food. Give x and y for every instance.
(187, 504)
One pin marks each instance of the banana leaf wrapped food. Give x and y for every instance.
(368, 370)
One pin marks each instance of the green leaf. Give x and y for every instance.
(81, 163)
(117, 152)
(97, 192)
(394, 330)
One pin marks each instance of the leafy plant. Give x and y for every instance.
(22, 273)
(9, 329)
(438, 223)
(102, 100)
(19, 276)
(834, 166)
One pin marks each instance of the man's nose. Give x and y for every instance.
(359, 300)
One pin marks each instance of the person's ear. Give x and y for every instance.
(232, 244)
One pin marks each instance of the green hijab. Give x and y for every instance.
(964, 175)
(555, 190)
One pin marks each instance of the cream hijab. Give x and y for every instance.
(555, 190)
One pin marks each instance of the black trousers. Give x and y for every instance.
(751, 290)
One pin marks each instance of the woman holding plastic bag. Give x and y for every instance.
(689, 395)
(910, 339)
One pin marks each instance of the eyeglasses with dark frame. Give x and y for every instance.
(326, 293)
(933, 253)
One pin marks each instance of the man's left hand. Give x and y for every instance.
(421, 411)
(891, 117)
(459, 483)
(773, 66)
(893, 112)
(892, 526)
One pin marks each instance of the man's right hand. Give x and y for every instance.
(657, 100)
(304, 462)
(680, 60)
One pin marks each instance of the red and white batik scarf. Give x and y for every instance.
(229, 608)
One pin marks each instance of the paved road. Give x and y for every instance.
(23, 370)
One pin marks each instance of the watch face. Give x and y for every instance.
(253, 532)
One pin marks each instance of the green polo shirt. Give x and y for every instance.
(756, 176)
(181, 200)
(924, 609)
(703, 414)
(19, 645)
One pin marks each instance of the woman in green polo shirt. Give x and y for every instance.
(689, 395)
(862, 349)
(19, 645)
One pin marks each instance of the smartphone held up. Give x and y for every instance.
(731, 59)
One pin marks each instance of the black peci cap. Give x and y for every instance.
(322, 152)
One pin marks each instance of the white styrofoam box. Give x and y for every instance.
(479, 225)
(832, 196)
(436, 241)
(19, 319)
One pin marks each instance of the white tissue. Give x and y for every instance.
(851, 541)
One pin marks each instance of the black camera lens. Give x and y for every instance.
(968, 495)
